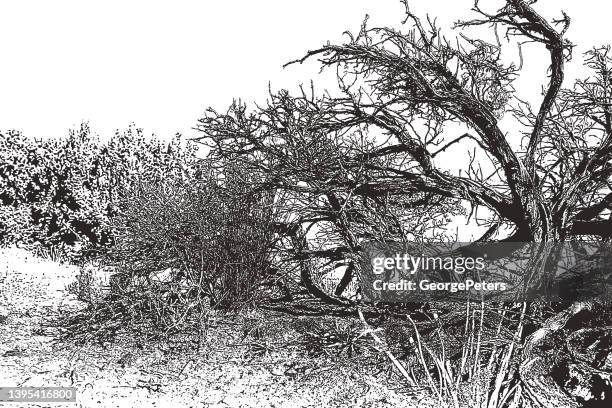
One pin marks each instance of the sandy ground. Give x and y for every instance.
(141, 374)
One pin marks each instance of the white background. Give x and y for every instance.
(159, 64)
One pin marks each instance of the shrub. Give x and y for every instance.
(62, 193)
(212, 236)
(184, 246)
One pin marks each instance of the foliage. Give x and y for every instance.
(62, 193)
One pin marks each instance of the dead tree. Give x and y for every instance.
(367, 161)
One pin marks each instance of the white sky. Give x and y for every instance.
(160, 63)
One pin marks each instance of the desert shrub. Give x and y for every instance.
(61, 193)
(182, 248)
(186, 245)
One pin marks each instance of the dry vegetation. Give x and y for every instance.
(244, 360)
(207, 280)
(260, 357)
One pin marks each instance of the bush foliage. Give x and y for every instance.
(63, 192)
(208, 238)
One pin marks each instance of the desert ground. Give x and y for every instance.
(246, 360)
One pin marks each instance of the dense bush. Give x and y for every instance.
(182, 247)
(195, 239)
(62, 193)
